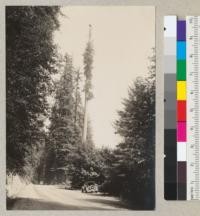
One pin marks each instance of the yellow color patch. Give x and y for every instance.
(181, 90)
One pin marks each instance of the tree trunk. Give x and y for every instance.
(85, 121)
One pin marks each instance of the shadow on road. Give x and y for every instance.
(99, 194)
(113, 203)
(36, 204)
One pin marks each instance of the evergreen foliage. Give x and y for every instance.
(30, 60)
(59, 155)
(132, 173)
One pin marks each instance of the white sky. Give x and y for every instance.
(122, 37)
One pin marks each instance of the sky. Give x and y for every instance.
(123, 37)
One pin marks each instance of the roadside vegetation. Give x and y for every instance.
(63, 152)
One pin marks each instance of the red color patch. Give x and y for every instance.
(181, 110)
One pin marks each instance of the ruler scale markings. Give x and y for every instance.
(193, 58)
(182, 113)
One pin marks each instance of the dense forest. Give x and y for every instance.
(64, 151)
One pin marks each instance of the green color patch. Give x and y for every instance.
(181, 70)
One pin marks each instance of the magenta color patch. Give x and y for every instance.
(181, 131)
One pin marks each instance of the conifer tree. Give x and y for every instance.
(88, 61)
(133, 169)
(30, 61)
(62, 131)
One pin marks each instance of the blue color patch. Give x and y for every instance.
(181, 50)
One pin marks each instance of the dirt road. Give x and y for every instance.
(45, 197)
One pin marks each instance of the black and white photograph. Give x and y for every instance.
(80, 107)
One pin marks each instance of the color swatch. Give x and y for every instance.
(170, 89)
(182, 108)
(181, 111)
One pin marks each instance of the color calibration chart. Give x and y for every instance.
(182, 108)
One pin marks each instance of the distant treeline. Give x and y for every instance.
(58, 154)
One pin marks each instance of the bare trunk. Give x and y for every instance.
(76, 96)
(85, 121)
